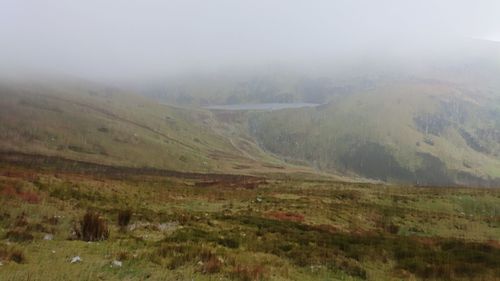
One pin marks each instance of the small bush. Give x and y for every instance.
(30, 197)
(9, 192)
(26, 196)
(53, 220)
(17, 256)
(19, 235)
(92, 228)
(124, 218)
(229, 243)
(11, 254)
(248, 273)
(178, 255)
(21, 220)
(36, 227)
(287, 216)
(123, 256)
(211, 264)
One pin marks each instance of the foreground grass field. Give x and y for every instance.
(187, 226)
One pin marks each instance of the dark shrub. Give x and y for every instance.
(11, 254)
(19, 235)
(51, 220)
(392, 228)
(229, 243)
(21, 220)
(248, 273)
(17, 256)
(211, 264)
(92, 228)
(124, 217)
(123, 256)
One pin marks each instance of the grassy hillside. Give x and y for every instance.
(418, 131)
(425, 120)
(81, 121)
(220, 227)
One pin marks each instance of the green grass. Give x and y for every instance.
(85, 122)
(285, 222)
(281, 230)
(379, 133)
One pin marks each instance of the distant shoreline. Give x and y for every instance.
(261, 106)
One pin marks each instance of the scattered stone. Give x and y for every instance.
(76, 259)
(258, 199)
(116, 263)
(167, 226)
(53, 252)
(1, 263)
(48, 237)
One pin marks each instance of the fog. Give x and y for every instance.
(109, 39)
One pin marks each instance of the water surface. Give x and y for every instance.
(261, 106)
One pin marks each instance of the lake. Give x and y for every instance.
(261, 106)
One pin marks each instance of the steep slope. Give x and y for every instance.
(419, 131)
(81, 121)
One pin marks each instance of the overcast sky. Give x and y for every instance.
(113, 38)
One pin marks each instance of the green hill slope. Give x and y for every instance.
(422, 132)
(81, 121)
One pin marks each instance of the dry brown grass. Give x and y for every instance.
(10, 253)
(249, 273)
(92, 228)
(124, 217)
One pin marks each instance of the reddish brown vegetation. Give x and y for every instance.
(212, 264)
(30, 197)
(26, 175)
(247, 183)
(287, 216)
(248, 273)
(9, 192)
(26, 196)
(44, 163)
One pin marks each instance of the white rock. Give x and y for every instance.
(53, 252)
(116, 263)
(48, 237)
(167, 226)
(1, 263)
(76, 259)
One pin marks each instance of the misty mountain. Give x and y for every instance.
(78, 120)
(430, 122)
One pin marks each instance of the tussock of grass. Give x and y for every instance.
(92, 227)
(124, 217)
(248, 273)
(11, 253)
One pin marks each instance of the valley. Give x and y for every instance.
(230, 194)
(249, 140)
